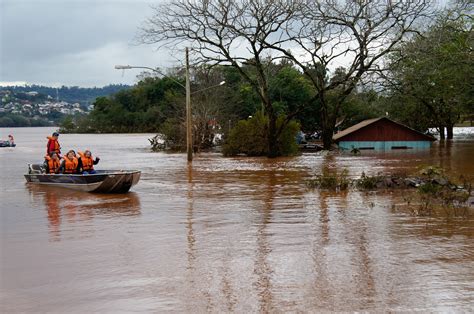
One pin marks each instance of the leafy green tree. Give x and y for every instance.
(82, 95)
(290, 91)
(250, 136)
(360, 106)
(142, 108)
(6, 122)
(433, 74)
(67, 125)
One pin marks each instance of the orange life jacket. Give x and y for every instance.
(53, 145)
(70, 166)
(87, 162)
(53, 164)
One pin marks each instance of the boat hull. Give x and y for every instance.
(104, 181)
(7, 144)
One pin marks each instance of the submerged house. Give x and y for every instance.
(381, 134)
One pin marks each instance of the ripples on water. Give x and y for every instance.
(228, 234)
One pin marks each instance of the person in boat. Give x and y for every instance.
(11, 140)
(87, 162)
(69, 164)
(53, 144)
(52, 163)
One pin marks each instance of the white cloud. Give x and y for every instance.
(72, 42)
(13, 83)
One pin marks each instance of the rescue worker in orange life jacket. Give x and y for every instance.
(69, 164)
(52, 163)
(87, 162)
(53, 144)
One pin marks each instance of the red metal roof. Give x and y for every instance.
(338, 136)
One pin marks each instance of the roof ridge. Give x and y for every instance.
(368, 122)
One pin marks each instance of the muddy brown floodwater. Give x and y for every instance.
(227, 235)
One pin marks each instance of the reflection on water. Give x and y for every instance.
(262, 265)
(78, 207)
(229, 235)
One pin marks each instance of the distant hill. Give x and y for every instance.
(36, 105)
(70, 94)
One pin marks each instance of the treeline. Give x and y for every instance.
(71, 94)
(16, 120)
(156, 103)
(142, 108)
(423, 78)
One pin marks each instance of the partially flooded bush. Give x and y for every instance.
(455, 203)
(435, 192)
(173, 133)
(250, 137)
(331, 181)
(431, 171)
(428, 189)
(369, 182)
(427, 194)
(440, 194)
(452, 203)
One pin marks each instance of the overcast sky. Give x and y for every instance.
(73, 42)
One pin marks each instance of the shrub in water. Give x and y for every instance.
(173, 132)
(367, 182)
(332, 181)
(250, 137)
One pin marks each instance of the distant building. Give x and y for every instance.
(381, 134)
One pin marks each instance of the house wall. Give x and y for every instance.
(384, 130)
(384, 145)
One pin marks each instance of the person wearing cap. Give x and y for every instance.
(53, 144)
(87, 162)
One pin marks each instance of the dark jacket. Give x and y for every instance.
(79, 165)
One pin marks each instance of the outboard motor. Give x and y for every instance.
(35, 169)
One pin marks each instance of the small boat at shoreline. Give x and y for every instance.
(103, 181)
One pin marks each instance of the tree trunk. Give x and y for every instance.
(327, 137)
(442, 135)
(449, 130)
(272, 137)
(327, 126)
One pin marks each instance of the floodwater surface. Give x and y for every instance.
(227, 235)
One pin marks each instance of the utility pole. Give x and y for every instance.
(189, 135)
(189, 117)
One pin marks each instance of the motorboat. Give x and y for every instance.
(103, 181)
(6, 144)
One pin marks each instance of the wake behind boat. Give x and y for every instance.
(103, 181)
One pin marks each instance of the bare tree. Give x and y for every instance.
(350, 40)
(230, 33)
(316, 35)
